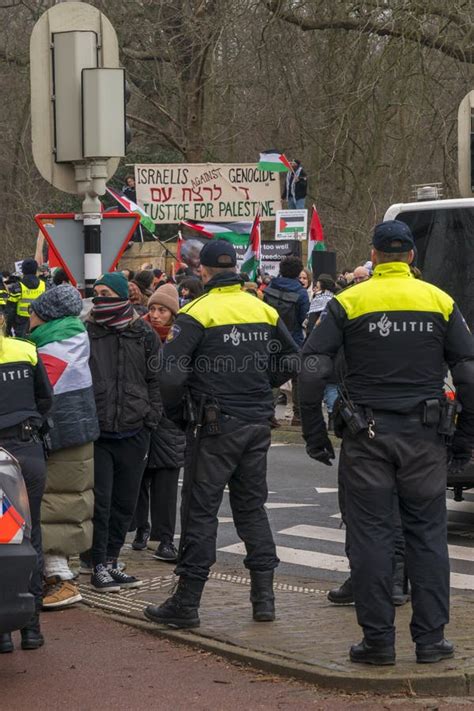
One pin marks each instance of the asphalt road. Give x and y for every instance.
(304, 514)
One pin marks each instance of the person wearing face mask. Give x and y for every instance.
(159, 489)
(124, 366)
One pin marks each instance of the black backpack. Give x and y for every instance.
(285, 302)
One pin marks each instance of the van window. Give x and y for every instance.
(445, 243)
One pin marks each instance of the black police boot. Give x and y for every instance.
(365, 653)
(400, 594)
(261, 595)
(342, 595)
(6, 643)
(430, 653)
(31, 637)
(180, 610)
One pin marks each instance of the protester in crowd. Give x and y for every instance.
(265, 281)
(361, 274)
(25, 399)
(159, 488)
(128, 274)
(159, 278)
(22, 294)
(68, 502)
(144, 280)
(129, 189)
(296, 186)
(123, 362)
(137, 298)
(189, 289)
(306, 280)
(60, 277)
(287, 295)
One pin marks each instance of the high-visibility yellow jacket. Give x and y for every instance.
(25, 296)
(25, 391)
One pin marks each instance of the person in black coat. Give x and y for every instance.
(159, 489)
(124, 366)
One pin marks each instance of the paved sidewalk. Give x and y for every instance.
(309, 640)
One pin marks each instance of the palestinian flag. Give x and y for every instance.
(130, 206)
(291, 224)
(315, 236)
(251, 261)
(235, 232)
(273, 161)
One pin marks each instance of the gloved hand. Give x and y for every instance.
(321, 449)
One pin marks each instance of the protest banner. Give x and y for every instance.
(212, 192)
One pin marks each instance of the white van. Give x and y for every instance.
(444, 238)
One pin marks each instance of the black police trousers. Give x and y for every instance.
(238, 458)
(30, 456)
(413, 462)
(397, 522)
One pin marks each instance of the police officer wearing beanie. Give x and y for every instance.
(228, 349)
(398, 334)
(22, 295)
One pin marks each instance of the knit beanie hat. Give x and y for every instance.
(58, 302)
(166, 295)
(115, 281)
(29, 266)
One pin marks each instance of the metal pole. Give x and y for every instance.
(92, 253)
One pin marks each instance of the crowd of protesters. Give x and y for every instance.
(115, 457)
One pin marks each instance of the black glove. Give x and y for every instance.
(321, 449)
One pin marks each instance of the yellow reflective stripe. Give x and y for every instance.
(15, 350)
(230, 305)
(395, 294)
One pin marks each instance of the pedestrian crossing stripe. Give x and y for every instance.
(338, 563)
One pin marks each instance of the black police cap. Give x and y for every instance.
(393, 236)
(218, 253)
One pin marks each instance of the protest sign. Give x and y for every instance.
(212, 192)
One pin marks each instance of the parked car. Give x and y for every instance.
(17, 555)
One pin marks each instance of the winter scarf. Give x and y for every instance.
(112, 312)
(320, 301)
(57, 330)
(161, 331)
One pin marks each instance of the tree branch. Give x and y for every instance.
(370, 26)
(146, 55)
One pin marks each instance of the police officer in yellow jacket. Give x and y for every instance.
(398, 334)
(229, 349)
(4, 294)
(22, 295)
(25, 397)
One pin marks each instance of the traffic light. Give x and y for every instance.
(67, 39)
(103, 113)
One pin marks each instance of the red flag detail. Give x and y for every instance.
(55, 367)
